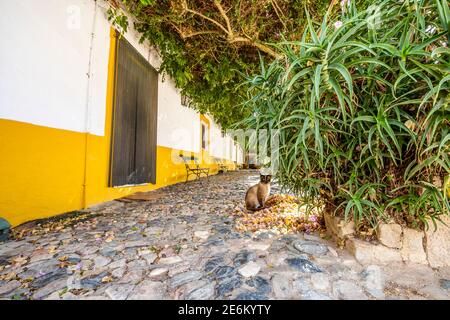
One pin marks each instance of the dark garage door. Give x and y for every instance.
(133, 156)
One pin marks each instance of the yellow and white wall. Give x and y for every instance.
(56, 104)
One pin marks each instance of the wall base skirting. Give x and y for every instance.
(395, 243)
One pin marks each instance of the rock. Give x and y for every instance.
(132, 276)
(40, 257)
(260, 284)
(251, 296)
(412, 248)
(251, 269)
(149, 290)
(203, 293)
(281, 287)
(119, 291)
(374, 282)
(48, 278)
(87, 251)
(437, 244)
(184, 278)
(74, 282)
(91, 283)
(158, 273)
(303, 265)
(222, 230)
(301, 285)
(149, 257)
(137, 265)
(50, 288)
(313, 295)
(333, 252)
(337, 227)
(445, 284)
(136, 244)
(108, 252)
(259, 246)
(202, 235)
(118, 264)
(214, 241)
(68, 296)
(53, 296)
(243, 257)
(368, 253)
(265, 235)
(4, 260)
(311, 237)
(390, 234)
(228, 285)
(348, 291)
(41, 268)
(73, 258)
(213, 264)
(100, 261)
(434, 293)
(179, 268)
(170, 260)
(93, 297)
(310, 247)
(9, 286)
(118, 273)
(320, 281)
(276, 259)
(224, 272)
(86, 265)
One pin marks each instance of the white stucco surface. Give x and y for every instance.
(45, 64)
(54, 69)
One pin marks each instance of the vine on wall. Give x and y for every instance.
(209, 47)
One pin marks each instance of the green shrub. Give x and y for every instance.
(362, 108)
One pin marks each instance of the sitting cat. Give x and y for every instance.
(256, 196)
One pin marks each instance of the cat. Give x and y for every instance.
(256, 196)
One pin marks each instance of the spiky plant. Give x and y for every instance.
(362, 109)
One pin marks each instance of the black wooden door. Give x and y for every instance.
(133, 159)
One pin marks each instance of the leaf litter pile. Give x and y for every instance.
(283, 214)
(54, 224)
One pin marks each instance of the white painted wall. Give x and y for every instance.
(240, 155)
(222, 146)
(178, 126)
(54, 71)
(45, 63)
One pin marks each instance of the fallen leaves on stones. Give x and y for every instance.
(54, 224)
(19, 261)
(284, 214)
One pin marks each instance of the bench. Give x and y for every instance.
(222, 167)
(197, 171)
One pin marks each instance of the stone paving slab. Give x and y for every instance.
(183, 245)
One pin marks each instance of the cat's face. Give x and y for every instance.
(265, 178)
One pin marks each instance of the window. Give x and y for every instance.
(204, 136)
(184, 101)
(133, 147)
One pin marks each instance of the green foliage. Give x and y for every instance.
(207, 63)
(363, 112)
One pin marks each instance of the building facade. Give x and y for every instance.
(84, 115)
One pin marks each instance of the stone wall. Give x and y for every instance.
(395, 243)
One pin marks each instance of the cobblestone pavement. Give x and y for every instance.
(182, 245)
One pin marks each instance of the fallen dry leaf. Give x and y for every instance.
(284, 214)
